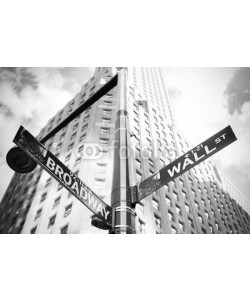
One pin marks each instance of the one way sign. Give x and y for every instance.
(186, 162)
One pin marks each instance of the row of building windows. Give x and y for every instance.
(63, 230)
(67, 211)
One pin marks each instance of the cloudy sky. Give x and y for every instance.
(205, 100)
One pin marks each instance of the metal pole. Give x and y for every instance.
(20, 162)
(123, 217)
(93, 99)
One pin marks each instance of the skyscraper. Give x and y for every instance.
(197, 202)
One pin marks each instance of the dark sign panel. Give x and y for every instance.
(186, 162)
(62, 174)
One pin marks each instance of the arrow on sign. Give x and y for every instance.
(186, 162)
(62, 174)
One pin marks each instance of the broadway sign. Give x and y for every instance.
(187, 161)
(62, 174)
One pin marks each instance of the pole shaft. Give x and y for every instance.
(123, 221)
(93, 99)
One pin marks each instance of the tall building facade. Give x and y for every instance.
(200, 201)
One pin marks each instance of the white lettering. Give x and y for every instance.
(83, 193)
(75, 187)
(59, 170)
(198, 158)
(92, 201)
(50, 164)
(187, 162)
(209, 151)
(106, 213)
(65, 176)
(175, 169)
(99, 208)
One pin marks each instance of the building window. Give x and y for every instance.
(64, 229)
(107, 112)
(43, 197)
(155, 204)
(173, 230)
(59, 187)
(85, 127)
(33, 230)
(138, 163)
(86, 118)
(104, 142)
(184, 193)
(82, 137)
(138, 176)
(67, 158)
(175, 196)
(196, 204)
(70, 146)
(140, 207)
(157, 221)
(68, 210)
(80, 148)
(141, 226)
(170, 216)
(187, 208)
(52, 221)
(181, 225)
(191, 223)
(178, 209)
(168, 200)
(59, 146)
(105, 130)
(62, 137)
(106, 120)
(73, 136)
(200, 218)
(78, 161)
(38, 213)
(48, 182)
(75, 126)
(106, 102)
(101, 167)
(56, 202)
(100, 182)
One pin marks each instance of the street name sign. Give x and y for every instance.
(30, 145)
(186, 162)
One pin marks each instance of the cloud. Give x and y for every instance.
(5, 110)
(19, 78)
(238, 90)
(174, 93)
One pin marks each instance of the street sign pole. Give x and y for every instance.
(123, 215)
(120, 217)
